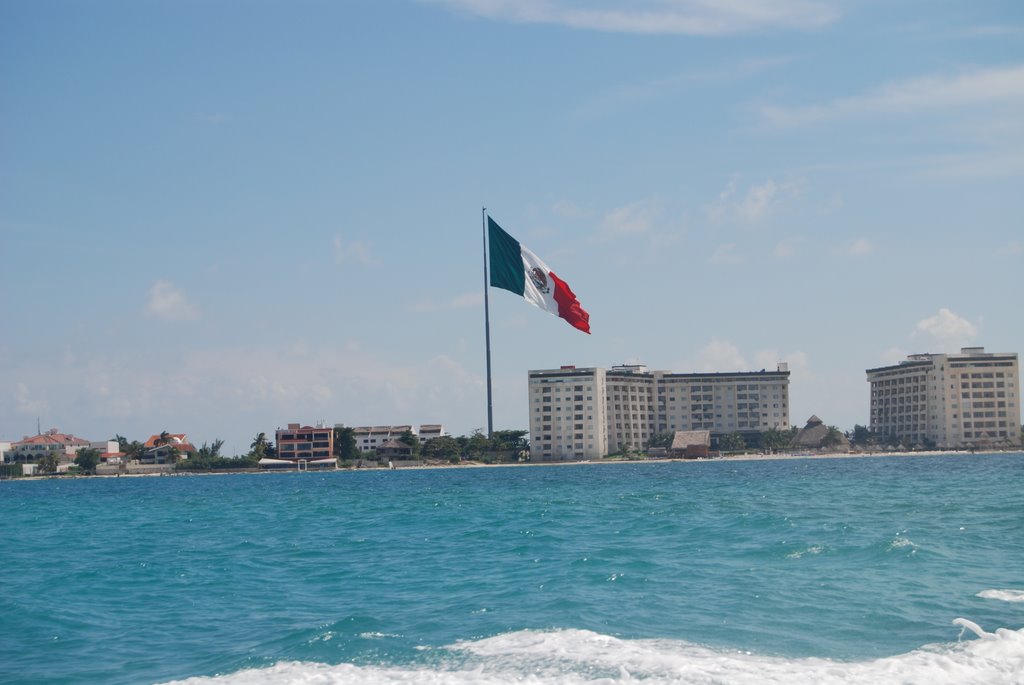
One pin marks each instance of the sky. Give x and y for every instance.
(218, 217)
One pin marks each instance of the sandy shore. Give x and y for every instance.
(748, 456)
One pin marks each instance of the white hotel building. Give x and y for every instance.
(369, 438)
(971, 399)
(587, 413)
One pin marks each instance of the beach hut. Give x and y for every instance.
(691, 445)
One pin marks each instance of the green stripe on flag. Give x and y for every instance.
(506, 260)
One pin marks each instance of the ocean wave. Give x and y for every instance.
(580, 657)
(812, 550)
(1004, 595)
(902, 542)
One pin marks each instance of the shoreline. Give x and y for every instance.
(744, 457)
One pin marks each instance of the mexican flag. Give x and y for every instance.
(515, 268)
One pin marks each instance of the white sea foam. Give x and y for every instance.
(900, 542)
(1004, 595)
(578, 657)
(813, 549)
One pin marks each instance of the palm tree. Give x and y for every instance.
(259, 447)
(173, 455)
(134, 449)
(832, 438)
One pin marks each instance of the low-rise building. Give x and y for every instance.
(371, 438)
(690, 444)
(167, 448)
(311, 444)
(30, 449)
(816, 435)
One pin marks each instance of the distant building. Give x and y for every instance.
(394, 449)
(165, 450)
(29, 450)
(586, 413)
(313, 445)
(371, 438)
(815, 434)
(110, 451)
(429, 431)
(965, 400)
(691, 444)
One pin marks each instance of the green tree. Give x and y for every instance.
(509, 445)
(833, 437)
(477, 445)
(732, 442)
(510, 440)
(258, 448)
(345, 443)
(208, 457)
(163, 439)
(122, 443)
(861, 435)
(661, 439)
(49, 462)
(86, 459)
(443, 447)
(134, 450)
(409, 438)
(773, 439)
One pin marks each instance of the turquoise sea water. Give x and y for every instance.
(837, 570)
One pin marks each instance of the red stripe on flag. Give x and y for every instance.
(568, 306)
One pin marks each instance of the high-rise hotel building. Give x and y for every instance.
(585, 413)
(971, 399)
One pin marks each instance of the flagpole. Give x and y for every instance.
(487, 327)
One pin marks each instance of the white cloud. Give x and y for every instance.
(725, 254)
(234, 392)
(357, 251)
(629, 220)
(631, 95)
(718, 355)
(724, 356)
(894, 355)
(26, 403)
(947, 330)
(684, 17)
(860, 247)
(799, 363)
(168, 303)
(758, 200)
(756, 204)
(723, 203)
(913, 96)
(786, 248)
